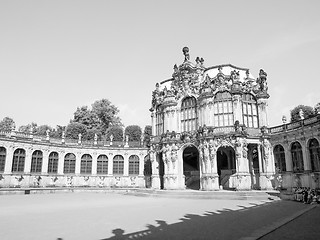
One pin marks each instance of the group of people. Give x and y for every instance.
(307, 195)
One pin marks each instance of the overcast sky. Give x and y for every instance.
(56, 56)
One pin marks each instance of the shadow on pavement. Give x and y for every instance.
(223, 224)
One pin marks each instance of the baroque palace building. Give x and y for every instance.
(39, 161)
(210, 132)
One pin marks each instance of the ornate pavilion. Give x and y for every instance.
(210, 129)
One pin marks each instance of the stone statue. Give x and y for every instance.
(111, 138)
(284, 119)
(79, 137)
(301, 114)
(185, 51)
(237, 126)
(95, 137)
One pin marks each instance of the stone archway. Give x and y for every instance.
(226, 165)
(191, 167)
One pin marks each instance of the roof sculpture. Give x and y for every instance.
(194, 79)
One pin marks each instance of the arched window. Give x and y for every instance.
(36, 162)
(53, 162)
(223, 109)
(3, 154)
(297, 159)
(280, 159)
(133, 165)
(118, 163)
(19, 157)
(159, 121)
(86, 164)
(249, 110)
(189, 114)
(69, 163)
(102, 164)
(314, 151)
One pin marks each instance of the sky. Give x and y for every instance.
(57, 55)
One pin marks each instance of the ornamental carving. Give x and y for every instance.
(194, 79)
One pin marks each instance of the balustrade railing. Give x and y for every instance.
(67, 141)
(295, 125)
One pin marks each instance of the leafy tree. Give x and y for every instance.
(31, 127)
(6, 124)
(101, 116)
(73, 129)
(134, 132)
(147, 135)
(57, 132)
(42, 129)
(307, 112)
(106, 113)
(116, 131)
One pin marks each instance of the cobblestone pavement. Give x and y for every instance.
(116, 216)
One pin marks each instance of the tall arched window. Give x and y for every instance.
(223, 109)
(102, 164)
(297, 159)
(36, 162)
(118, 163)
(189, 114)
(19, 157)
(3, 154)
(249, 110)
(69, 163)
(53, 162)
(133, 165)
(280, 158)
(314, 151)
(86, 164)
(159, 121)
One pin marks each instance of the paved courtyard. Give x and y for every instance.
(102, 216)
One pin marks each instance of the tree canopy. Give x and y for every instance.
(116, 131)
(7, 124)
(99, 118)
(147, 135)
(307, 112)
(134, 132)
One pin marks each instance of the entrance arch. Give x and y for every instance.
(226, 165)
(191, 168)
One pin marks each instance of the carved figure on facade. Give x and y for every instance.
(262, 86)
(36, 181)
(244, 148)
(174, 154)
(101, 181)
(19, 180)
(266, 149)
(53, 180)
(185, 51)
(69, 181)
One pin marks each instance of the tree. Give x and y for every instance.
(147, 135)
(31, 127)
(42, 129)
(7, 124)
(73, 129)
(116, 131)
(307, 112)
(106, 113)
(57, 132)
(134, 132)
(101, 116)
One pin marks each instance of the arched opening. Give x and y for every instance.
(226, 165)
(314, 151)
(253, 158)
(191, 169)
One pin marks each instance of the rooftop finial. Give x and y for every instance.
(185, 51)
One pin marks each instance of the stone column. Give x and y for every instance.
(155, 178)
(78, 162)
(153, 123)
(237, 109)
(110, 164)
(45, 160)
(27, 164)
(241, 180)
(261, 168)
(94, 163)
(61, 162)
(141, 165)
(126, 165)
(9, 159)
(262, 111)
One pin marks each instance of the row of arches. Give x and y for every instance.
(223, 112)
(69, 163)
(296, 151)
